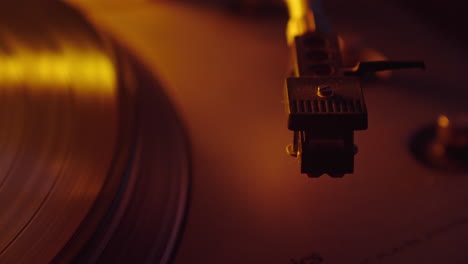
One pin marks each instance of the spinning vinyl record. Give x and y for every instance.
(93, 157)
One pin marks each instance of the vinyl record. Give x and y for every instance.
(93, 158)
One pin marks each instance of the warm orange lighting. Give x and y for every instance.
(301, 19)
(443, 121)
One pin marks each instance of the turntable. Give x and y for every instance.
(113, 165)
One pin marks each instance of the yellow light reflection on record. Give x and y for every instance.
(301, 19)
(88, 72)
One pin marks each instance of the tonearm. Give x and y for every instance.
(325, 102)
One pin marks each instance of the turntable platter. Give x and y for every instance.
(249, 202)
